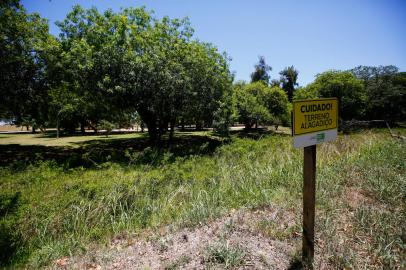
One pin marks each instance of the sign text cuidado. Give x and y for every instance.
(314, 121)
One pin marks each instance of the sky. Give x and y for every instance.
(313, 35)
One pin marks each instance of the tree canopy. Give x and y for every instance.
(109, 66)
(289, 80)
(385, 90)
(365, 92)
(24, 40)
(261, 72)
(258, 104)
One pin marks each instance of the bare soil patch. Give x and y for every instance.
(188, 248)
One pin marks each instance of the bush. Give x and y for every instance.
(107, 126)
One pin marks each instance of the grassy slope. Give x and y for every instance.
(56, 210)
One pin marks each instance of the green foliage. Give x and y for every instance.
(308, 92)
(251, 105)
(340, 84)
(261, 72)
(279, 106)
(107, 66)
(364, 92)
(107, 126)
(122, 71)
(386, 91)
(289, 80)
(258, 104)
(224, 117)
(24, 41)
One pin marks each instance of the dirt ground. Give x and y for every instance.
(189, 248)
(11, 128)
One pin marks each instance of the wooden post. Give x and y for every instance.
(309, 199)
(57, 127)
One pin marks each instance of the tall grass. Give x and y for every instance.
(48, 212)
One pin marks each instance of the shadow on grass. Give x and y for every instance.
(122, 151)
(9, 241)
(126, 151)
(51, 134)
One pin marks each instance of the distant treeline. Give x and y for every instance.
(364, 93)
(126, 68)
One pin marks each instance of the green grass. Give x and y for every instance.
(49, 139)
(55, 207)
(226, 255)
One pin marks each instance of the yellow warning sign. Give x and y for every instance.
(314, 115)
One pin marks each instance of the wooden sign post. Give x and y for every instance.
(309, 200)
(314, 122)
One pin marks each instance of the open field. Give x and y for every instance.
(203, 202)
(49, 139)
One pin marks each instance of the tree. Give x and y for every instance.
(278, 105)
(106, 126)
(258, 104)
(261, 72)
(91, 59)
(385, 91)
(24, 39)
(251, 111)
(397, 99)
(225, 116)
(126, 62)
(308, 92)
(289, 80)
(346, 87)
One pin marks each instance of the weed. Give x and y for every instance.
(225, 254)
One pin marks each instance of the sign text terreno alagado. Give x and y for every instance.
(314, 121)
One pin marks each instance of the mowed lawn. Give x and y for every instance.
(59, 197)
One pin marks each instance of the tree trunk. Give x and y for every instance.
(94, 127)
(182, 125)
(57, 128)
(248, 126)
(152, 132)
(71, 129)
(82, 127)
(172, 127)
